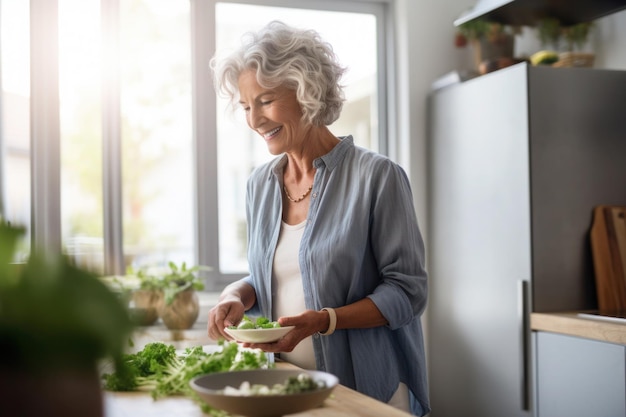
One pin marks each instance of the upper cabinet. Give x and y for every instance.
(529, 12)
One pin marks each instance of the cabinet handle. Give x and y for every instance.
(524, 332)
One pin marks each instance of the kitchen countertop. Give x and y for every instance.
(344, 402)
(572, 324)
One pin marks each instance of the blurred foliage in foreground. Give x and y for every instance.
(54, 315)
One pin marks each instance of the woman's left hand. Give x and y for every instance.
(307, 323)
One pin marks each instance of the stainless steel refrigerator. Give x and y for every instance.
(518, 159)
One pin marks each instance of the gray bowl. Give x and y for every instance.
(209, 386)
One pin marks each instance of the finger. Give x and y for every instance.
(225, 335)
(221, 321)
(286, 321)
(285, 344)
(216, 323)
(265, 347)
(213, 334)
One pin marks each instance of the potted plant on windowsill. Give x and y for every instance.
(57, 324)
(146, 298)
(172, 293)
(139, 295)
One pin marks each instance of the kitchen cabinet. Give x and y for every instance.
(518, 159)
(529, 12)
(579, 377)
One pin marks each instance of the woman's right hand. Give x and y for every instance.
(233, 303)
(227, 312)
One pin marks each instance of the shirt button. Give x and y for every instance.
(316, 335)
(314, 195)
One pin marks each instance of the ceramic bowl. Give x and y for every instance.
(209, 388)
(258, 335)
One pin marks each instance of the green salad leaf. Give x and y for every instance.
(160, 370)
(258, 323)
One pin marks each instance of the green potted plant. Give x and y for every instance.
(57, 324)
(489, 40)
(140, 294)
(566, 40)
(549, 33)
(145, 296)
(172, 292)
(553, 35)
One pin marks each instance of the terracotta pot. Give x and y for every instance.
(146, 303)
(58, 393)
(182, 313)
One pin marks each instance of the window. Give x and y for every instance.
(151, 55)
(156, 131)
(15, 202)
(152, 167)
(80, 123)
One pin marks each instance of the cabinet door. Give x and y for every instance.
(479, 244)
(579, 377)
(578, 161)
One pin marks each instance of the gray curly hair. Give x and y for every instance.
(285, 56)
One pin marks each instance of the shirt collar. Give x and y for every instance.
(336, 155)
(331, 159)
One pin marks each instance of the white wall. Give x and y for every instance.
(425, 38)
(609, 41)
(425, 48)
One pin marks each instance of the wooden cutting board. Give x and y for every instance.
(608, 244)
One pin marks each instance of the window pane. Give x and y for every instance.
(157, 164)
(81, 132)
(240, 150)
(15, 124)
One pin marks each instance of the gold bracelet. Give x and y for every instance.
(333, 321)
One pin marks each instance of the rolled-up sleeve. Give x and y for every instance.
(398, 247)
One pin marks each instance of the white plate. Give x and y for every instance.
(258, 335)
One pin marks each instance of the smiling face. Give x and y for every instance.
(274, 113)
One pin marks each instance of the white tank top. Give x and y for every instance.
(288, 292)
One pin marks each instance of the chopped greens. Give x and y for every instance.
(258, 323)
(293, 385)
(160, 370)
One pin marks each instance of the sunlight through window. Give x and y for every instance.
(15, 200)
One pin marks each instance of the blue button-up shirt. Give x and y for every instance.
(361, 239)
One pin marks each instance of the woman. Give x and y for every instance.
(334, 247)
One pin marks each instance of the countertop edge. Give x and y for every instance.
(569, 323)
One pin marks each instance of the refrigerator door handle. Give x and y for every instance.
(524, 335)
